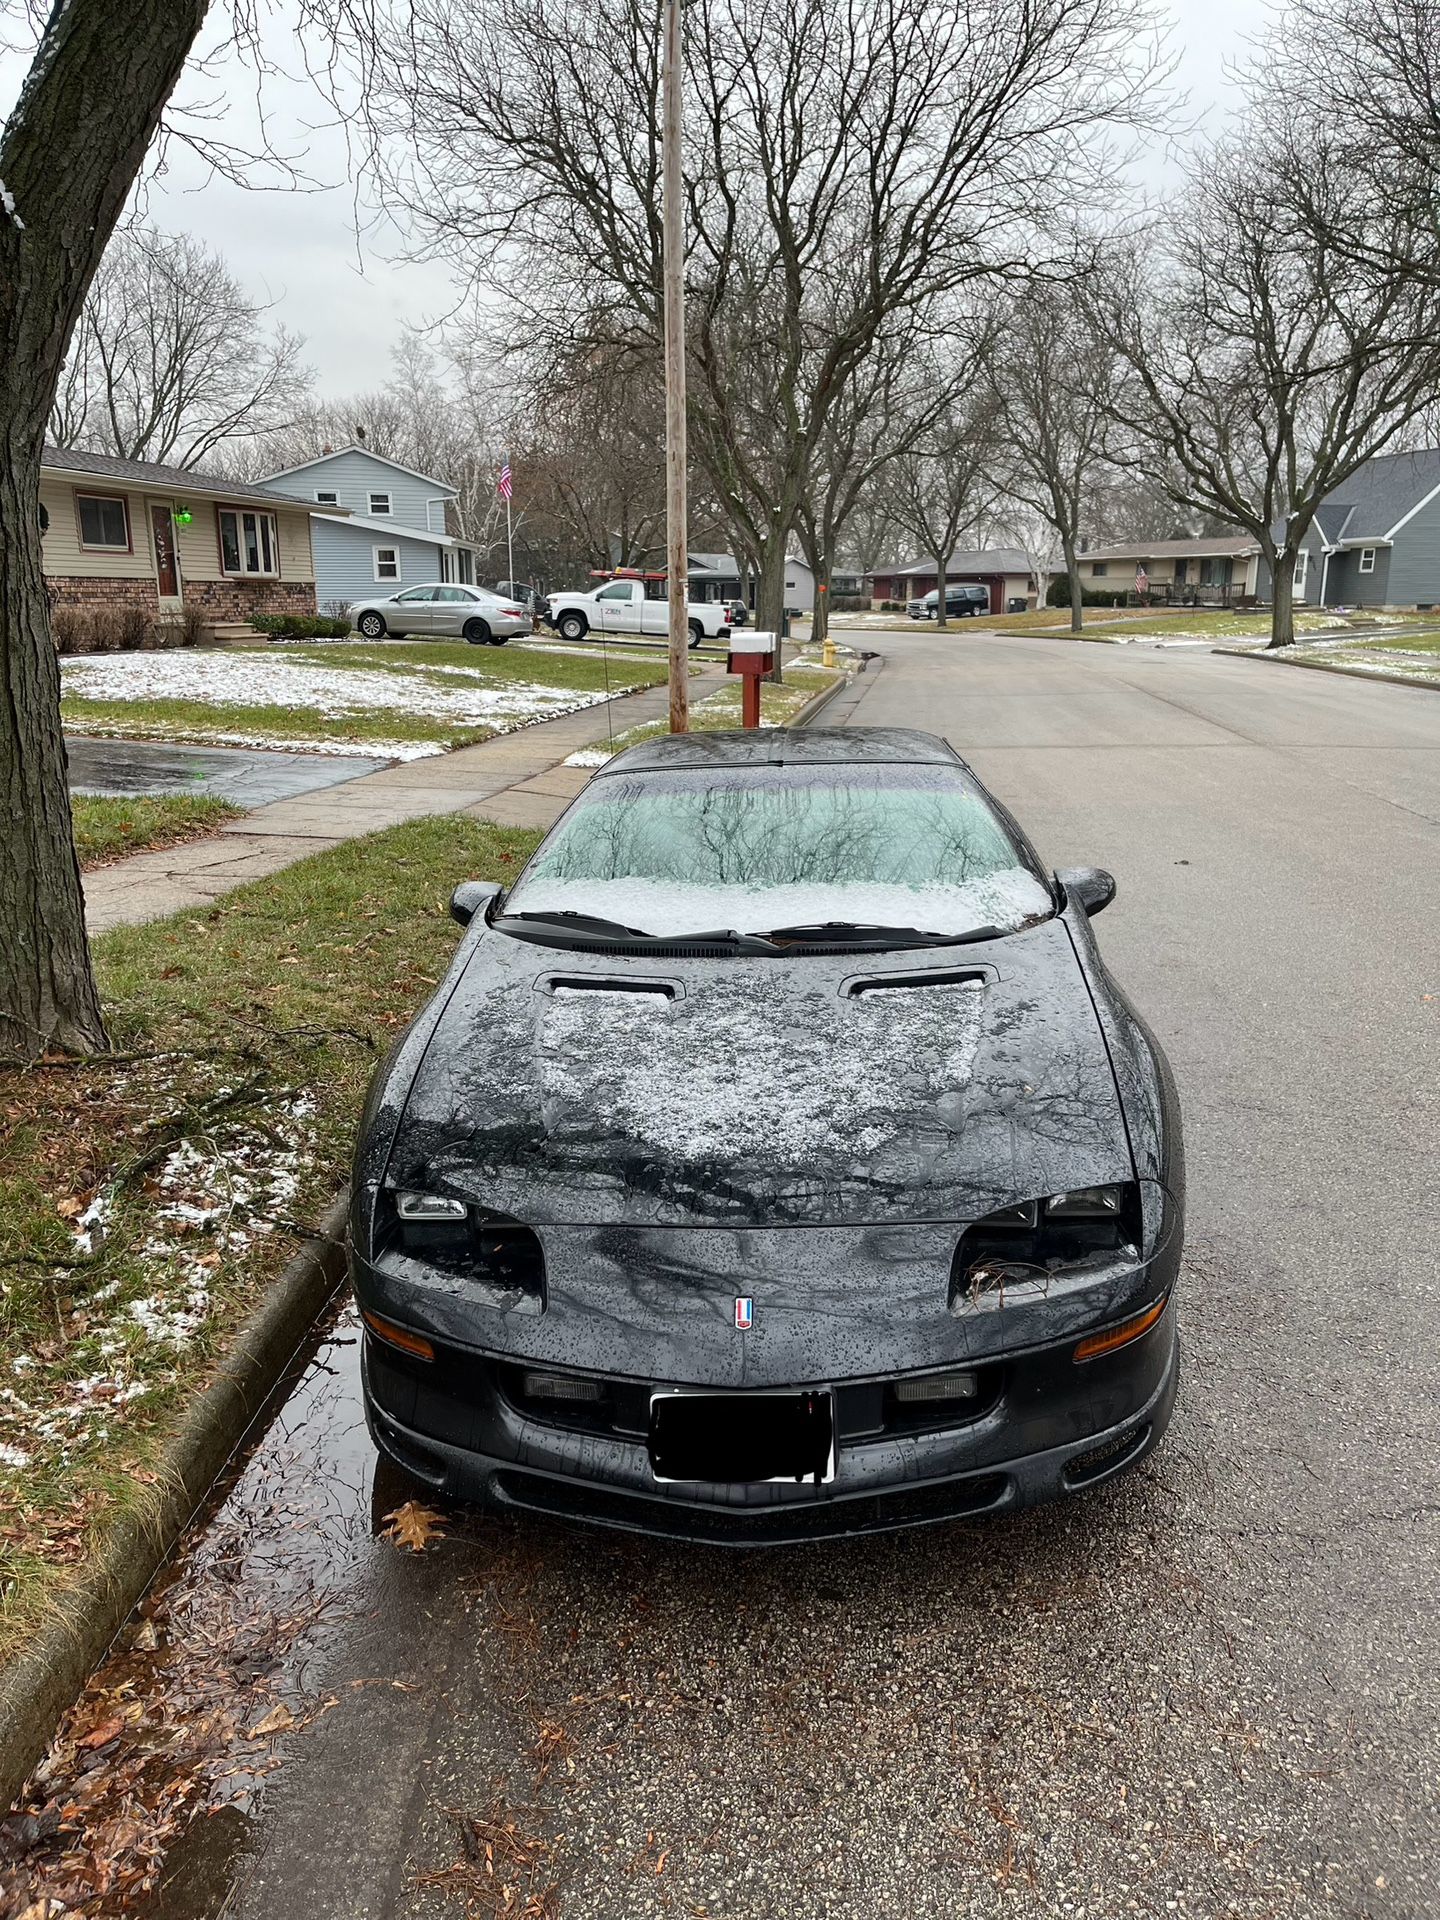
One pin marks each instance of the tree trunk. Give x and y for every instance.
(820, 623)
(69, 155)
(1077, 592)
(941, 583)
(770, 613)
(1282, 616)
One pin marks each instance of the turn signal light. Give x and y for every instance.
(1120, 1336)
(936, 1386)
(401, 1337)
(561, 1386)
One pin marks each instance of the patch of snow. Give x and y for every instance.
(694, 1079)
(588, 757)
(262, 680)
(7, 201)
(13, 1456)
(1005, 899)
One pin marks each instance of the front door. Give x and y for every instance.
(167, 561)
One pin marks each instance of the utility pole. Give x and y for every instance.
(677, 568)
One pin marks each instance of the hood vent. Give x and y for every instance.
(914, 982)
(600, 983)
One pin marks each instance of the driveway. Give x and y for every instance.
(228, 773)
(1208, 1690)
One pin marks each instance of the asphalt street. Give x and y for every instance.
(1207, 1690)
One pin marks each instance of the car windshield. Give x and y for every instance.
(756, 850)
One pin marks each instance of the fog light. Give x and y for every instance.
(936, 1386)
(1120, 1336)
(401, 1337)
(429, 1206)
(560, 1386)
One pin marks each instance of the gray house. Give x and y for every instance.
(1375, 541)
(392, 532)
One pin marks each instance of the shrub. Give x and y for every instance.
(122, 629)
(892, 606)
(1059, 594)
(300, 626)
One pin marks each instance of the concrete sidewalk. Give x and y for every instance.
(517, 779)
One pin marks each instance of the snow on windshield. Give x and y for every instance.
(1005, 899)
(715, 1075)
(753, 850)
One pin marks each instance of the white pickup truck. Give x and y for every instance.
(622, 607)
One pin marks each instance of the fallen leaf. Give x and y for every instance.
(106, 1730)
(276, 1721)
(413, 1526)
(71, 1207)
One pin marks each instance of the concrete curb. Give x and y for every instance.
(819, 702)
(37, 1688)
(1335, 666)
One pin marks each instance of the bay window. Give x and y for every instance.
(249, 544)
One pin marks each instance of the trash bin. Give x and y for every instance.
(1015, 604)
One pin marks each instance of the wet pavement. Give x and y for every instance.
(247, 779)
(1206, 1690)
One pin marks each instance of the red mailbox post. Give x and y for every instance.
(752, 656)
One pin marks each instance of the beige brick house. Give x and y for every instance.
(124, 532)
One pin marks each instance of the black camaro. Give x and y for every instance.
(777, 1159)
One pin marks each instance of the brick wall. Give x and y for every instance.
(215, 599)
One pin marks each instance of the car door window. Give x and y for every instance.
(415, 596)
(617, 592)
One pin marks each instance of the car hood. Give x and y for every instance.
(567, 1088)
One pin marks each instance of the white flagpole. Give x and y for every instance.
(509, 534)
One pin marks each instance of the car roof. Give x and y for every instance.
(786, 747)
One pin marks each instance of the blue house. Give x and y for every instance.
(1375, 541)
(389, 529)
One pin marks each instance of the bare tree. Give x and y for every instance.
(1051, 380)
(172, 359)
(944, 483)
(1264, 365)
(847, 162)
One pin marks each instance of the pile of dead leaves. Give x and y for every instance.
(503, 1872)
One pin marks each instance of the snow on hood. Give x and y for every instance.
(701, 1078)
(1005, 900)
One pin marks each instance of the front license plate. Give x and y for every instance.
(739, 1439)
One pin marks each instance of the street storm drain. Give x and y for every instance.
(1091, 1464)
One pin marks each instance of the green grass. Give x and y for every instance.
(243, 1033)
(429, 659)
(108, 827)
(1426, 641)
(226, 723)
(722, 710)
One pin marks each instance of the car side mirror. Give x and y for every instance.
(470, 898)
(1092, 887)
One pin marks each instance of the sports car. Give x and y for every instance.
(777, 1159)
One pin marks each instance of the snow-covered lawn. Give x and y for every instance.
(403, 707)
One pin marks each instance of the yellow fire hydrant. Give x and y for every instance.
(827, 655)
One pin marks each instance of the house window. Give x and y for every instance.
(387, 563)
(326, 497)
(249, 545)
(380, 504)
(1302, 569)
(104, 521)
(1367, 560)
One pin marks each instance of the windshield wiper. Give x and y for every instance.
(851, 932)
(561, 926)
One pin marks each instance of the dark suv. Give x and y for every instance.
(961, 602)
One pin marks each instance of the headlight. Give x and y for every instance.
(1086, 1203)
(429, 1206)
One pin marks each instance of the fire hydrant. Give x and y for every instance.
(827, 654)
(752, 656)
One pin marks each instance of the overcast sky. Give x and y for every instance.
(352, 299)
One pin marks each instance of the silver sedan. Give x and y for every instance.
(442, 610)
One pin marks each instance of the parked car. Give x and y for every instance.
(778, 1158)
(521, 594)
(960, 603)
(624, 607)
(463, 613)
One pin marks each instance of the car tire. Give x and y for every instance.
(572, 626)
(372, 625)
(697, 634)
(477, 633)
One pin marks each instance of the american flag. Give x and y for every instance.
(506, 484)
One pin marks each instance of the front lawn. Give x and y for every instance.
(108, 827)
(147, 1199)
(403, 699)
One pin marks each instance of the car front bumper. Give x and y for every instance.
(1043, 1426)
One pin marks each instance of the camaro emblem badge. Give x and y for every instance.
(744, 1313)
